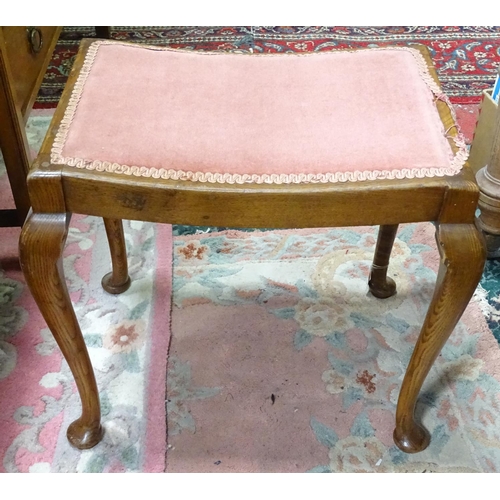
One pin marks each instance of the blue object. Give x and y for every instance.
(496, 89)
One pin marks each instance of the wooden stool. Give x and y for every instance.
(341, 138)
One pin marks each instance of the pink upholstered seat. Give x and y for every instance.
(220, 117)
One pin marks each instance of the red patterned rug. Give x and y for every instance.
(466, 57)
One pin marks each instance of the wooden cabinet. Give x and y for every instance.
(28, 50)
(25, 53)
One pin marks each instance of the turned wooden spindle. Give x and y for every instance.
(488, 179)
(118, 280)
(381, 285)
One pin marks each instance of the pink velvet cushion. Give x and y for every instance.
(220, 117)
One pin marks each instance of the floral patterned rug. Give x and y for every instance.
(280, 360)
(127, 337)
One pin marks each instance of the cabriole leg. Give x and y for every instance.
(41, 244)
(463, 255)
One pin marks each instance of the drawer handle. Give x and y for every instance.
(35, 39)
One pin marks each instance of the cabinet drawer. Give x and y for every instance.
(27, 66)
